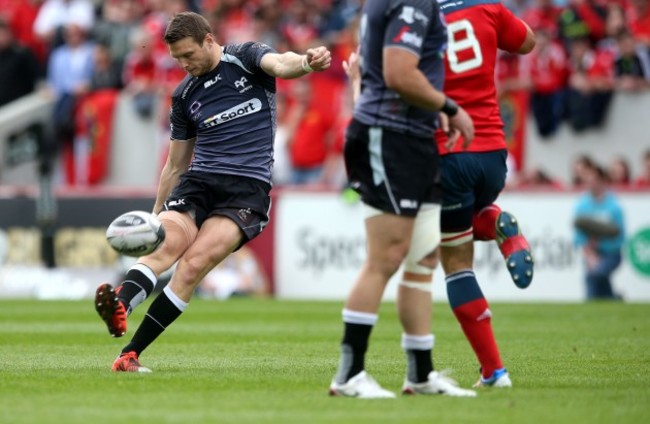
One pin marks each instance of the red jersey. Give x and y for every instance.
(476, 29)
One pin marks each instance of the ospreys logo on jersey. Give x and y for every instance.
(241, 83)
(251, 106)
(407, 14)
(410, 15)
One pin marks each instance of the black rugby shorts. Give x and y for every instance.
(392, 172)
(244, 200)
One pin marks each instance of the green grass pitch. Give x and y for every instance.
(269, 361)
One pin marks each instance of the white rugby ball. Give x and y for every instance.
(135, 233)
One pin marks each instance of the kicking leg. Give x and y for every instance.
(114, 305)
(218, 237)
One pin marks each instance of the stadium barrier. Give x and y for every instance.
(134, 138)
(313, 247)
(320, 246)
(23, 125)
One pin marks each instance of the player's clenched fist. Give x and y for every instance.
(319, 58)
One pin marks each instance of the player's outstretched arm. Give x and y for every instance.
(292, 65)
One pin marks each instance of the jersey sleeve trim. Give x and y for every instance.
(226, 57)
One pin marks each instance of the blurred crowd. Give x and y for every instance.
(587, 50)
(616, 174)
(80, 47)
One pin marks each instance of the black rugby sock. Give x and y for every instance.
(162, 312)
(419, 366)
(353, 349)
(418, 356)
(135, 289)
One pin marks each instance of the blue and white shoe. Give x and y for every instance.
(499, 378)
(515, 249)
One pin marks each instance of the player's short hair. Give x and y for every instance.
(187, 24)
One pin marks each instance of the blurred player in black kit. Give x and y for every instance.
(392, 161)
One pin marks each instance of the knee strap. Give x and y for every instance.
(425, 239)
(425, 287)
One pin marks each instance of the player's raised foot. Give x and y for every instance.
(515, 249)
(499, 378)
(437, 384)
(128, 362)
(361, 386)
(110, 310)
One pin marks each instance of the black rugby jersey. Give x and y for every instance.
(231, 112)
(414, 25)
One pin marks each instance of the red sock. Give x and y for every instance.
(475, 320)
(485, 221)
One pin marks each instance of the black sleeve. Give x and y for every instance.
(250, 54)
(408, 23)
(181, 127)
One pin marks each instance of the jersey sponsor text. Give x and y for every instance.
(251, 106)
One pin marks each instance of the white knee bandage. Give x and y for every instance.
(457, 238)
(425, 239)
(425, 287)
